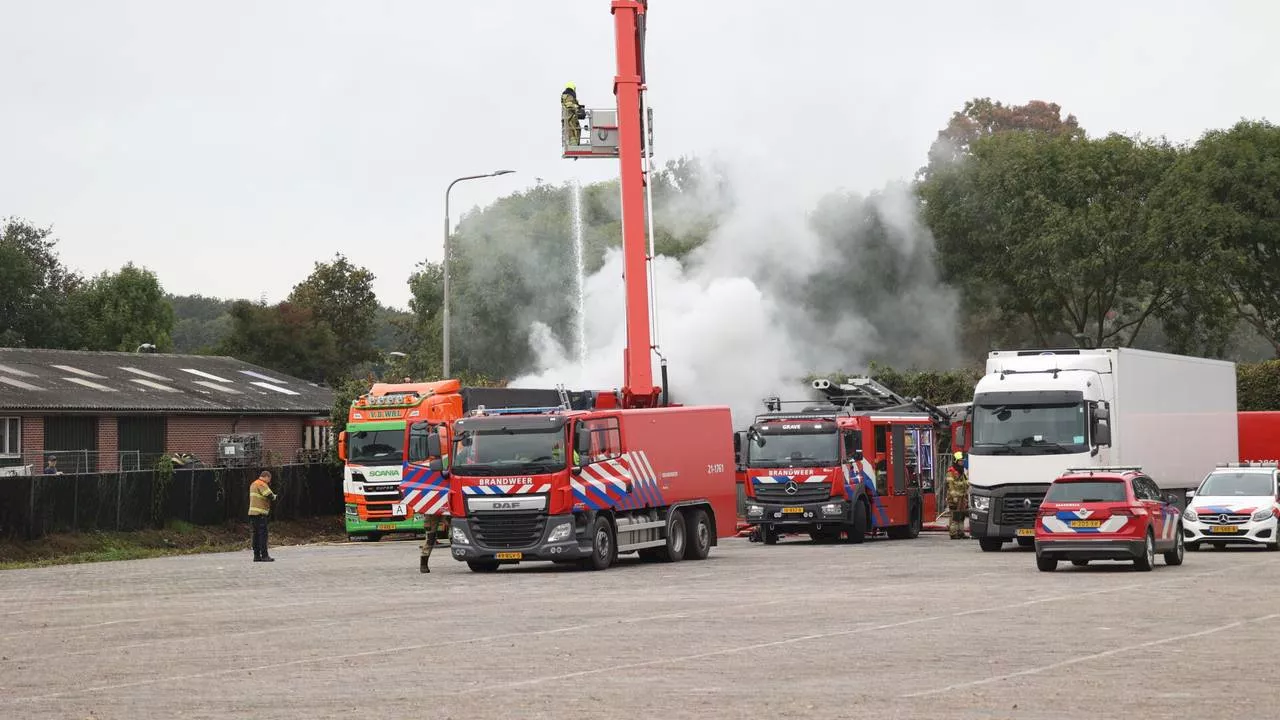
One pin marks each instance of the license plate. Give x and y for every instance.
(508, 556)
(387, 526)
(399, 509)
(793, 510)
(1223, 529)
(1086, 523)
(1026, 532)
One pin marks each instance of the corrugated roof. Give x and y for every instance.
(73, 380)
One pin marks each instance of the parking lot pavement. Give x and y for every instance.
(919, 628)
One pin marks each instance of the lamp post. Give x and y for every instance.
(445, 264)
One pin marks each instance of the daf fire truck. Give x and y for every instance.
(865, 463)
(631, 474)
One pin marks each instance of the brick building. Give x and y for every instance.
(107, 411)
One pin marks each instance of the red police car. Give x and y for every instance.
(1107, 513)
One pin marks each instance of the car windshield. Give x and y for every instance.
(375, 447)
(1239, 484)
(1029, 429)
(1083, 491)
(795, 450)
(507, 451)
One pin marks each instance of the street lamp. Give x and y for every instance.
(445, 264)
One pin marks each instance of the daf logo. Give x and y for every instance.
(792, 488)
(505, 506)
(1222, 519)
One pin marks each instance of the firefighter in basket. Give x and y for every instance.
(571, 111)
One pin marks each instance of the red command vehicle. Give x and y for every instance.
(1106, 513)
(841, 468)
(575, 486)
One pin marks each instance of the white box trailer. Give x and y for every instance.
(1037, 413)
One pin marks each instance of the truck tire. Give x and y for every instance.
(1147, 559)
(770, 535)
(677, 538)
(911, 530)
(858, 530)
(990, 544)
(604, 546)
(1174, 556)
(699, 542)
(483, 566)
(1026, 542)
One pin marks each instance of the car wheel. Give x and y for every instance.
(1147, 560)
(1275, 545)
(1046, 564)
(1174, 556)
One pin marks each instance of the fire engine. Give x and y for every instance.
(631, 474)
(866, 462)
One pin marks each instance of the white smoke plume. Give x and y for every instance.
(784, 287)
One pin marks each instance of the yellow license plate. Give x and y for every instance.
(1223, 529)
(1024, 532)
(792, 510)
(508, 556)
(387, 526)
(1086, 523)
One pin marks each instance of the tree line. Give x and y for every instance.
(1047, 235)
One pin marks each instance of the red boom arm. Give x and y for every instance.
(638, 389)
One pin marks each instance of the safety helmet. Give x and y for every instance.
(959, 455)
(571, 86)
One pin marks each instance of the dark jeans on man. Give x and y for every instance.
(259, 525)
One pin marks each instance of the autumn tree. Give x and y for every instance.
(983, 117)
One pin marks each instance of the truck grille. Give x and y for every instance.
(1015, 511)
(805, 493)
(383, 497)
(373, 508)
(1216, 519)
(508, 529)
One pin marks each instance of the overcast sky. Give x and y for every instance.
(228, 145)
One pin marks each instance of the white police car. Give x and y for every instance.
(1237, 504)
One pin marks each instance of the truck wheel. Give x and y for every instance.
(858, 530)
(1046, 564)
(604, 551)
(990, 544)
(1147, 559)
(699, 545)
(909, 531)
(1174, 556)
(483, 566)
(676, 538)
(770, 536)
(1026, 542)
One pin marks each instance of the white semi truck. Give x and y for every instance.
(1037, 413)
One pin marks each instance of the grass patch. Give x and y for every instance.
(177, 538)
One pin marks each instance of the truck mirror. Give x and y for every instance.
(1102, 434)
(957, 442)
(1102, 411)
(1191, 494)
(850, 444)
(581, 442)
(857, 455)
(433, 445)
(342, 446)
(737, 447)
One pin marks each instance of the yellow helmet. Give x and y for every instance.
(571, 86)
(959, 455)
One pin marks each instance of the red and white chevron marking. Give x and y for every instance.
(523, 489)
(428, 502)
(629, 474)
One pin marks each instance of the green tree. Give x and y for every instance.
(200, 323)
(340, 296)
(1224, 195)
(287, 338)
(125, 309)
(1062, 228)
(33, 309)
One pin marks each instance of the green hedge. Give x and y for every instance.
(1257, 384)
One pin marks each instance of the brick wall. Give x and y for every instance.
(108, 444)
(198, 435)
(33, 439)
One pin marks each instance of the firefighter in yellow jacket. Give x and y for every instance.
(957, 496)
(260, 497)
(570, 113)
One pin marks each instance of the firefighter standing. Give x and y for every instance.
(431, 523)
(260, 497)
(957, 496)
(570, 113)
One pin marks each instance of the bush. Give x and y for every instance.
(1258, 385)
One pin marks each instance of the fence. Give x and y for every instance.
(31, 507)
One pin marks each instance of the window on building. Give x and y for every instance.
(10, 437)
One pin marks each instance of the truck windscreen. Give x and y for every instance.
(1007, 429)
(375, 447)
(795, 450)
(509, 451)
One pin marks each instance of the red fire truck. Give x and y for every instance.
(632, 474)
(865, 462)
